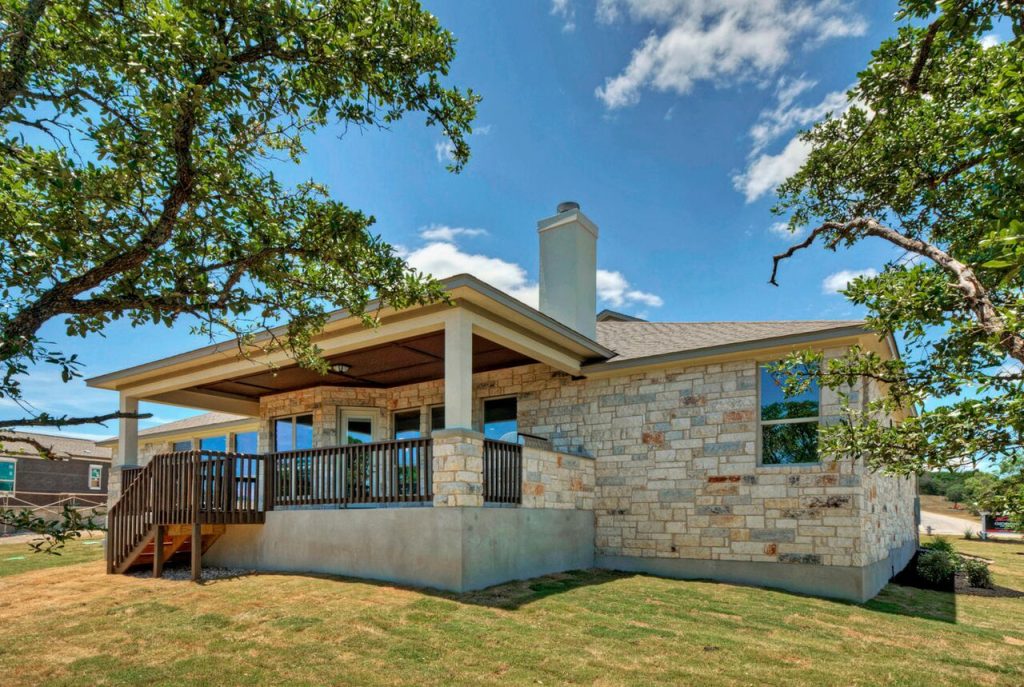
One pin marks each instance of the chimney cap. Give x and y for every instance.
(567, 205)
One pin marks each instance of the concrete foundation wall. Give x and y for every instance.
(830, 581)
(456, 549)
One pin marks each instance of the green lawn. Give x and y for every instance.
(72, 625)
(19, 558)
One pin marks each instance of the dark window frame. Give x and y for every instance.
(762, 423)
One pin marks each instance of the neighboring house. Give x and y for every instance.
(207, 432)
(77, 474)
(463, 446)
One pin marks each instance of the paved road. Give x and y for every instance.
(947, 524)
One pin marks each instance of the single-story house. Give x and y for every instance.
(76, 474)
(459, 446)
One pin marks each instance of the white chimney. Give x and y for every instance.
(568, 269)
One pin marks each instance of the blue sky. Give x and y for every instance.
(669, 121)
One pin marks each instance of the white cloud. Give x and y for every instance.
(565, 10)
(834, 283)
(785, 116)
(765, 172)
(443, 258)
(614, 289)
(670, 113)
(607, 11)
(445, 152)
(990, 40)
(781, 229)
(441, 232)
(721, 41)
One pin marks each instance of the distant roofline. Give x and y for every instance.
(62, 437)
(607, 315)
(158, 431)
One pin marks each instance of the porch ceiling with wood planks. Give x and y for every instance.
(396, 363)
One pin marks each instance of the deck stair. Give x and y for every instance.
(182, 502)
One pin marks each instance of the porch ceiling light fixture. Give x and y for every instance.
(340, 368)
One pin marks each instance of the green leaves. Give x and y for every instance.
(933, 150)
(135, 148)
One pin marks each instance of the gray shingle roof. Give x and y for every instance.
(632, 340)
(62, 446)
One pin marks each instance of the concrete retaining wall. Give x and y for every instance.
(456, 549)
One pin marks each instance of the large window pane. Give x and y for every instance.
(436, 418)
(304, 431)
(358, 431)
(407, 424)
(185, 445)
(214, 443)
(500, 419)
(283, 434)
(775, 405)
(788, 443)
(246, 442)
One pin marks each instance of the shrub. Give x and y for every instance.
(940, 544)
(968, 533)
(978, 574)
(937, 566)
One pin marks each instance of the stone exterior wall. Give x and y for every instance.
(458, 468)
(557, 480)
(673, 464)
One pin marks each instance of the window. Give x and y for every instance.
(293, 433)
(7, 470)
(95, 476)
(246, 442)
(358, 430)
(407, 424)
(214, 443)
(500, 419)
(436, 418)
(789, 424)
(185, 445)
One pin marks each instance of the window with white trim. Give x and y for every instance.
(96, 477)
(788, 424)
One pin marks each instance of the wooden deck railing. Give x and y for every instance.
(379, 472)
(503, 472)
(185, 488)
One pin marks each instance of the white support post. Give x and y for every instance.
(127, 446)
(128, 432)
(458, 370)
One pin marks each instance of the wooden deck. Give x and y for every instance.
(182, 502)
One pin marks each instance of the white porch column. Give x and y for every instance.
(128, 432)
(458, 370)
(127, 445)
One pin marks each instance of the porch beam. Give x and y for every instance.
(458, 370)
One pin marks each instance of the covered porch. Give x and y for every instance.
(410, 414)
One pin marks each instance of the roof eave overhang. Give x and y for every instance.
(835, 335)
(462, 289)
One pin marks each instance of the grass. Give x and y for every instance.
(19, 558)
(73, 625)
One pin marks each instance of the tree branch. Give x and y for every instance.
(967, 283)
(65, 421)
(12, 81)
(914, 81)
